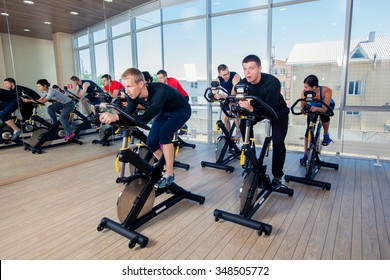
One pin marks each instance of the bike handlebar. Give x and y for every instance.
(210, 96)
(236, 110)
(133, 120)
(25, 95)
(306, 110)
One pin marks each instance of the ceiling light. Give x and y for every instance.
(109, 1)
(74, 13)
(28, 2)
(27, 30)
(47, 22)
(5, 14)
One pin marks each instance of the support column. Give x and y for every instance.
(63, 54)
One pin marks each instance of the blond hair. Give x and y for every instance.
(135, 73)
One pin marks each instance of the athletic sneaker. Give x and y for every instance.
(67, 137)
(277, 182)
(16, 135)
(165, 181)
(326, 140)
(303, 160)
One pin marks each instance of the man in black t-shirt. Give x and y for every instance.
(163, 103)
(267, 87)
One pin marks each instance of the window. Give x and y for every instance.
(149, 50)
(147, 19)
(354, 88)
(101, 62)
(122, 55)
(85, 65)
(275, 71)
(228, 5)
(194, 113)
(184, 59)
(99, 35)
(183, 10)
(282, 71)
(82, 40)
(194, 100)
(232, 50)
(120, 28)
(283, 84)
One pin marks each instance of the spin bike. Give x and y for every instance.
(256, 186)
(43, 136)
(135, 205)
(28, 125)
(313, 161)
(226, 148)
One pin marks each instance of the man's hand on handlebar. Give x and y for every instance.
(108, 118)
(246, 104)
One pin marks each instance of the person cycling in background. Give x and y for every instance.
(162, 77)
(87, 91)
(111, 87)
(310, 83)
(63, 105)
(147, 76)
(13, 93)
(228, 80)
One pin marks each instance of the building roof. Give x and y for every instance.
(330, 52)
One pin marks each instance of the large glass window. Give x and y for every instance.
(148, 19)
(236, 36)
(304, 45)
(99, 35)
(82, 40)
(122, 55)
(370, 54)
(184, 58)
(185, 10)
(368, 72)
(228, 5)
(120, 28)
(149, 50)
(101, 60)
(85, 65)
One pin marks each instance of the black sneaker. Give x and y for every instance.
(276, 182)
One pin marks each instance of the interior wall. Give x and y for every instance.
(34, 59)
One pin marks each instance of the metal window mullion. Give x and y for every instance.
(344, 71)
(209, 67)
(134, 49)
(162, 40)
(110, 50)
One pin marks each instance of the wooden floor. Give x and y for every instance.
(53, 212)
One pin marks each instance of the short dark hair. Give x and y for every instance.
(107, 76)
(74, 79)
(10, 80)
(311, 81)
(147, 76)
(43, 82)
(252, 57)
(222, 67)
(163, 72)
